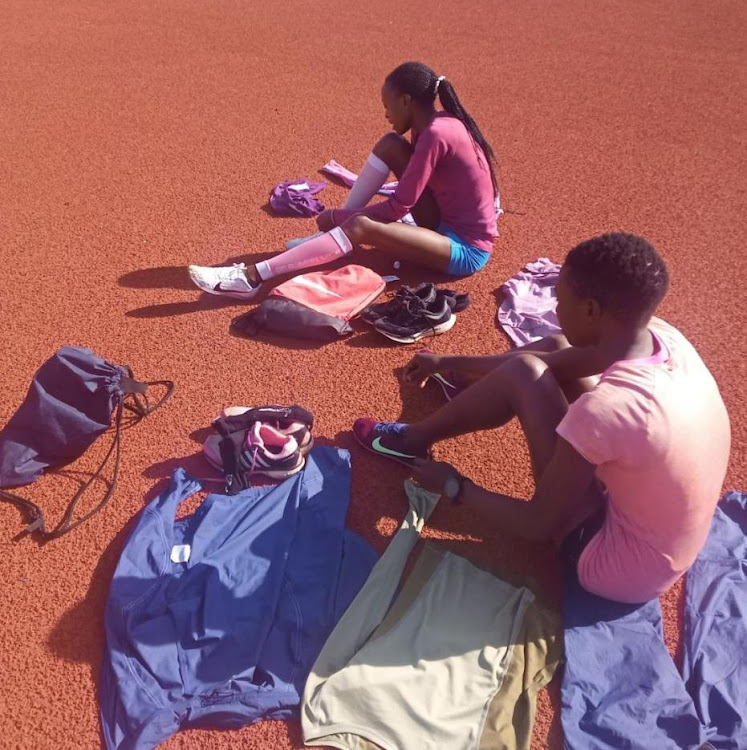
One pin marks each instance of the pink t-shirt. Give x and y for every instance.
(658, 432)
(447, 160)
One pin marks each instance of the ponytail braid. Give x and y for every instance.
(451, 104)
(423, 85)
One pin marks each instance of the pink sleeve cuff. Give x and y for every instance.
(340, 215)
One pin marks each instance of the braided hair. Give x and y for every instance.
(423, 85)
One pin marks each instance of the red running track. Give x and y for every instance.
(137, 137)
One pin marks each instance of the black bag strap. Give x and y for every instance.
(141, 408)
(137, 388)
(128, 384)
(32, 510)
(65, 525)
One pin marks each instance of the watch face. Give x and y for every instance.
(451, 488)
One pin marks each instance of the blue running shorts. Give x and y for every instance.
(465, 259)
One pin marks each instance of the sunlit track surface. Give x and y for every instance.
(138, 137)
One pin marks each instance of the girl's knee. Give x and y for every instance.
(392, 148)
(523, 369)
(529, 382)
(555, 342)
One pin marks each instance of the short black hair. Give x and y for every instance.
(622, 272)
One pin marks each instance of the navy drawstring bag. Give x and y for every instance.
(70, 403)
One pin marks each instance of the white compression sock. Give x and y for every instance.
(369, 182)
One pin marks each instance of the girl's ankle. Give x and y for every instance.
(252, 275)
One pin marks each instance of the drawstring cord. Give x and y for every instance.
(141, 408)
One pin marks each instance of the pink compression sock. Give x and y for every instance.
(316, 252)
(369, 182)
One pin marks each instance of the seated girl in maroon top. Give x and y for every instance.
(446, 182)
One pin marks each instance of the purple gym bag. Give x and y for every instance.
(70, 403)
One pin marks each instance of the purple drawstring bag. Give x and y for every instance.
(70, 403)
(296, 198)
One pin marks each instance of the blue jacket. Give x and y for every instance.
(216, 619)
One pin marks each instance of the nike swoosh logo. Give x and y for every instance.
(379, 448)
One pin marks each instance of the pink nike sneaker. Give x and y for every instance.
(266, 452)
(301, 431)
(384, 439)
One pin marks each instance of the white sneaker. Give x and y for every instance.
(300, 240)
(228, 281)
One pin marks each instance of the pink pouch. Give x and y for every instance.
(316, 305)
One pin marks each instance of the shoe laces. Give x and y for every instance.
(394, 301)
(254, 459)
(411, 308)
(237, 271)
(390, 428)
(412, 311)
(441, 379)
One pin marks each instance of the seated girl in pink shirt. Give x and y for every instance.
(446, 181)
(628, 436)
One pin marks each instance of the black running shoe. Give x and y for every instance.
(457, 301)
(417, 319)
(379, 310)
(271, 441)
(426, 292)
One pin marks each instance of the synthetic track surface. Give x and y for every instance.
(137, 137)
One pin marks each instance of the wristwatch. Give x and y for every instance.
(453, 488)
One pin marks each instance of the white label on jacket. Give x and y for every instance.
(180, 553)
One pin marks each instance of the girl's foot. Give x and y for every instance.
(387, 439)
(228, 281)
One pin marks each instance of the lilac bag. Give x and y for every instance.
(69, 404)
(296, 198)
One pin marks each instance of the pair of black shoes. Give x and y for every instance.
(414, 313)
